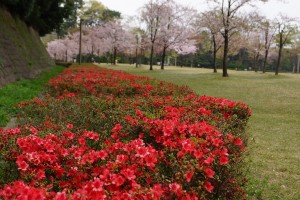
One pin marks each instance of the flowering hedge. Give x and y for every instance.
(105, 134)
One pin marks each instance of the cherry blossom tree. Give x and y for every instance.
(230, 22)
(118, 38)
(62, 49)
(176, 29)
(211, 20)
(110, 37)
(151, 15)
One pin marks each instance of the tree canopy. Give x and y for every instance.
(43, 16)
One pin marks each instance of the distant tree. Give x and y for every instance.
(151, 15)
(269, 30)
(286, 29)
(211, 20)
(176, 29)
(230, 22)
(118, 38)
(95, 13)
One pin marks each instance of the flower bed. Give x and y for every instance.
(105, 134)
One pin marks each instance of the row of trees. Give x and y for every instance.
(164, 27)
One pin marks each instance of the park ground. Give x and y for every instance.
(274, 128)
(273, 152)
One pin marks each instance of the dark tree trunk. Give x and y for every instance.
(265, 61)
(136, 57)
(225, 55)
(215, 55)
(256, 57)
(151, 56)
(278, 61)
(115, 56)
(80, 39)
(279, 53)
(266, 51)
(162, 65)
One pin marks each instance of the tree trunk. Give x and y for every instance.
(214, 55)
(265, 61)
(136, 57)
(256, 57)
(298, 63)
(225, 55)
(80, 39)
(279, 54)
(278, 61)
(151, 56)
(115, 56)
(214, 61)
(267, 47)
(162, 65)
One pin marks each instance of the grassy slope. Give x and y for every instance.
(274, 127)
(12, 94)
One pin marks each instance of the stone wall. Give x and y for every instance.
(22, 54)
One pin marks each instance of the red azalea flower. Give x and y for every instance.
(209, 173)
(121, 158)
(209, 160)
(22, 165)
(128, 173)
(141, 152)
(224, 160)
(97, 185)
(208, 186)
(189, 176)
(33, 130)
(69, 126)
(118, 180)
(238, 142)
(61, 196)
(102, 154)
(176, 188)
(150, 160)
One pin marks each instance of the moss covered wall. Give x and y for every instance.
(22, 54)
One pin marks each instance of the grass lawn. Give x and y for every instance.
(14, 93)
(274, 128)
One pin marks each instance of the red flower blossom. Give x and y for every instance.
(224, 160)
(208, 186)
(69, 126)
(61, 196)
(150, 160)
(238, 142)
(102, 154)
(118, 180)
(97, 185)
(121, 158)
(176, 188)
(22, 165)
(209, 173)
(189, 176)
(128, 173)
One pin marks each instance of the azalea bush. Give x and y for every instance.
(104, 134)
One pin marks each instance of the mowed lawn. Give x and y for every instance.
(274, 128)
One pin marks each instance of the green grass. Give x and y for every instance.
(274, 128)
(14, 93)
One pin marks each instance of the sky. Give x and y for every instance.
(270, 9)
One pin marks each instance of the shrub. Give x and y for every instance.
(104, 134)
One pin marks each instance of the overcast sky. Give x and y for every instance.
(270, 9)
